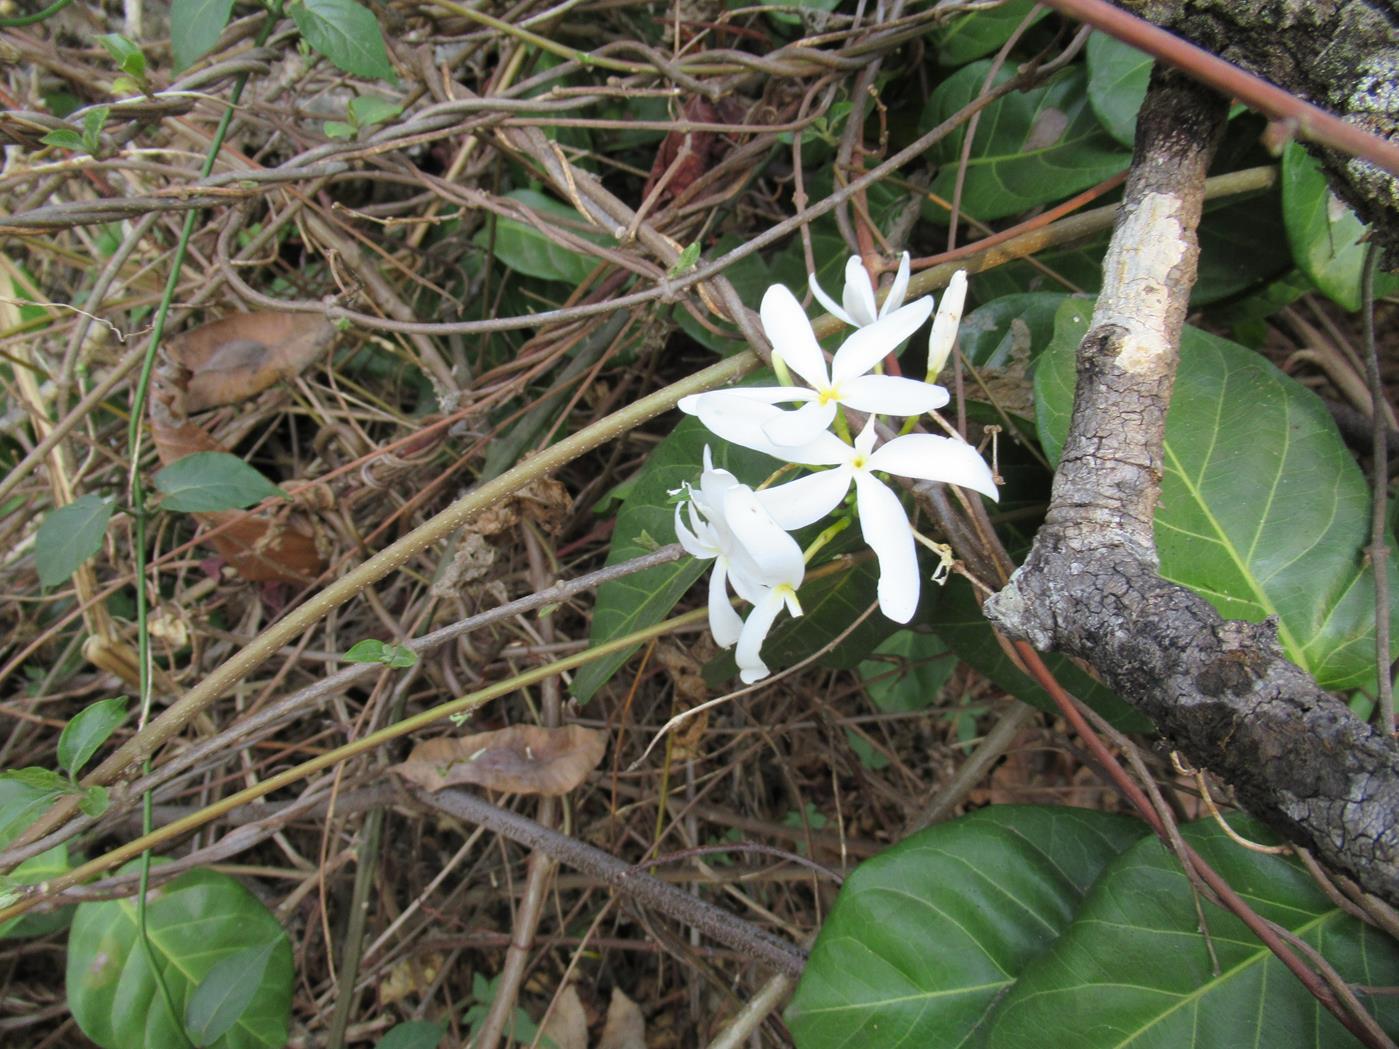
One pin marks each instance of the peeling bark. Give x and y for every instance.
(1221, 692)
(1342, 55)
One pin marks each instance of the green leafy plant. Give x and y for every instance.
(208, 934)
(130, 60)
(371, 650)
(89, 139)
(999, 926)
(362, 112)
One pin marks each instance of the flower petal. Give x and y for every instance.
(859, 292)
(945, 323)
(792, 429)
(768, 394)
(755, 631)
(786, 326)
(776, 553)
(724, 623)
(798, 503)
(898, 289)
(736, 419)
(872, 343)
(689, 540)
(887, 531)
(891, 395)
(933, 458)
(827, 303)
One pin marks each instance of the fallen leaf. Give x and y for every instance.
(233, 359)
(567, 1026)
(521, 759)
(625, 1027)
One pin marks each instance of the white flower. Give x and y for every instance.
(945, 323)
(858, 296)
(751, 552)
(846, 383)
(882, 519)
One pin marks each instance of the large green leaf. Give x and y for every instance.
(1025, 926)
(523, 248)
(35, 871)
(978, 33)
(925, 937)
(1031, 147)
(1263, 511)
(1134, 971)
(193, 922)
(1327, 237)
(959, 621)
(646, 522)
(1117, 79)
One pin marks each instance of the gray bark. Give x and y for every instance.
(1220, 692)
(1342, 55)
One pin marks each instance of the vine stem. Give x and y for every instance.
(139, 512)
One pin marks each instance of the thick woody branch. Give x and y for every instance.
(1221, 692)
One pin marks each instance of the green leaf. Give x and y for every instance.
(209, 481)
(925, 937)
(979, 33)
(195, 26)
(338, 129)
(87, 731)
(94, 120)
(70, 535)
(1031, 147)
(94, 801)
(24, 795)
(960, 623)
(345, 32)
(126, 54)
(35, 871)
(907, 671)
(1008, 330)
(194, 922)
(1016, 921)
(644, 599)
(1263, 510)
(368, 110)
(413, 1034)
(226, 991)
(63, 138)
(524, 249)
(1134, 970)
(1327, 237)
(371, 650)
(1118, 75)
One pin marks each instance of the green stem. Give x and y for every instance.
(38, 16)
(139, 512)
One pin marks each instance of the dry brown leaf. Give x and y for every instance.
(233, 359)
(625, 1027)
(521, 759)
(567, 1025)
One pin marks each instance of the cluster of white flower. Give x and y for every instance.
(745, 532)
